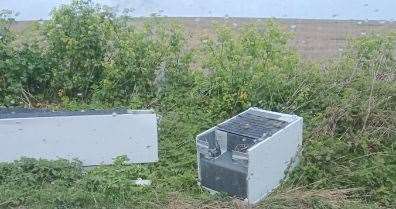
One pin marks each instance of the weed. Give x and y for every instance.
(88, 57)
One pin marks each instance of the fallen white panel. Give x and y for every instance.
(94, 138)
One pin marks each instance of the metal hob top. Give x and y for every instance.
(253, 124)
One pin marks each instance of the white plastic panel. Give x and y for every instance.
(269, 160)
(93, 139)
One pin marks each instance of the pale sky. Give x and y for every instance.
(301, 9)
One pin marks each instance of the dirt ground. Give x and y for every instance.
(313, 39)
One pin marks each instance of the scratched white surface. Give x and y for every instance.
(93, 139)
(270, 159)
(300, 9)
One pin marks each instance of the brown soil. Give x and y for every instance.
(313, 39)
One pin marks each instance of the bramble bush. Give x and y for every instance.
(135, 75)
(5, 52)
(79, 39)
(254, 68)
(86, 56)
(86, 53)
(352, 144)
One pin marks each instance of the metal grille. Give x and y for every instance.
(252, 124)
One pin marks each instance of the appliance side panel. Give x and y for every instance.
(198, 153)
(93, 139)
(223, 178)
(270, 159)
(199, 168)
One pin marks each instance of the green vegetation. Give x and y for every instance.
(87, 57)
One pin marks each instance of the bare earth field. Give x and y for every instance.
(313, 39)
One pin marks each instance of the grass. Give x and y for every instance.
(348, 107)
